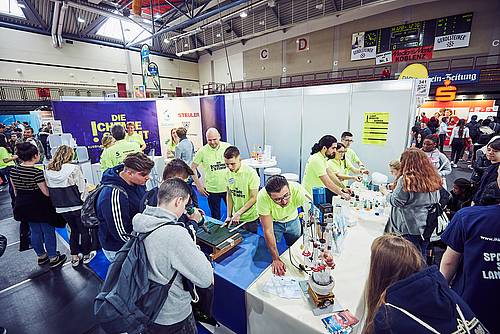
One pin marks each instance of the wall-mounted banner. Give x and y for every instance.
(423, 89)
(375, 128)
(140, 91)
(383, 58)
(175, 113)
(452, 41)
(302, 44)
(213, 115)
(412, 54)
(364, 53)
(414, 71)
(97, 118)
(358, 40)
(456, 77)
(264, 54)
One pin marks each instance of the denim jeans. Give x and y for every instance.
(290, 230)
(43, 239)
(110, 255)
(186, 326)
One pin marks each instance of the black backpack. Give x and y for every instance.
(473, 131)
(436, 211)
(129, 301)
(88, 213)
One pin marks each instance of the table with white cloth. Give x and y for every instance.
(268, 313)
(258, 165)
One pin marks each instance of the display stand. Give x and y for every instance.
(218, 240)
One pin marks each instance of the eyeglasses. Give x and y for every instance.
(349, 140)
(282, 198)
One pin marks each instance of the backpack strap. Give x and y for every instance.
(464, 321)
(420, 321)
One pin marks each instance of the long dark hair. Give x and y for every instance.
(3, 143)
(326, 141)
(461, 126)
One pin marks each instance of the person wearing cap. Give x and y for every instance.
(242, 184)
(211, 158)
(135, 137)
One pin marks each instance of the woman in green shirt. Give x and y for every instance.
(7, 160)
(172, 143)
(342, 167)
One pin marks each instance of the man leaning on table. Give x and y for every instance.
(350, 155)
(277, 205)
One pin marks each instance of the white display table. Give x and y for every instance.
(260, 165)
(268, 313)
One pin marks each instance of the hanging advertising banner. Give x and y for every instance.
(384, 58)
(414, 71)
(176, 113)
(95, 119)
(452, 41)
(412, 54)
(140, 92)
(154, 74)
(144, 63)
(358, 40)
(364, 53)
(423, 90)
(456, 77)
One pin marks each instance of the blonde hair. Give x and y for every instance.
(107, 140)
(64, 154)
(395, 164)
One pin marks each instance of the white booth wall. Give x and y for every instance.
(291, 120)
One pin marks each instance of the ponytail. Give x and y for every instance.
(325, 141)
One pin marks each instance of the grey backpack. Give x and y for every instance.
(88, 213)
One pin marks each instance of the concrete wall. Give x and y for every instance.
(83, 63)
(330, 38)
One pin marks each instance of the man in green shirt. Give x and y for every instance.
(211, 158)
(350, 155)
(242, 184)
(317, 174)
(277, 205)
(114, 155)
(133, 136)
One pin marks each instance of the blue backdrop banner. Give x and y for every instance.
(213, 115)
(89, 121)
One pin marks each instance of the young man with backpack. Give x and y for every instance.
(119, 200)
(473, 127)
(170, 250)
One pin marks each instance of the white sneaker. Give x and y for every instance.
(88, 258)
(454, 165)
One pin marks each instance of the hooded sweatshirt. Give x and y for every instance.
(425, 295)
(115, 210)
(169, 249)
(67, 188)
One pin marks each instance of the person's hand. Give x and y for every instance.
(391, 186)
(196, 215)
(345, 194)
(202, 190)
(328, 260)
(279, 268)
(365, 171)
(14, 157)
(383, 189)
(358, 178)
(236, 218)
(227, 222)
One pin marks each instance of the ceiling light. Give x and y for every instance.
(319, 6)
(218, 35)
(21, 5)
(262, 22)
(157, 15)
(186, 45)
(271, 3)
(80, 20)
(167, 41)
(243, 14)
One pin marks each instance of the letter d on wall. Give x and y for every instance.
(302, 44)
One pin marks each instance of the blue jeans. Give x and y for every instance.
(43, 239)
(290, 230)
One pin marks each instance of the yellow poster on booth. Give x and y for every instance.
(375, 128)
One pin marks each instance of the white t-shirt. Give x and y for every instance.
(455, 133)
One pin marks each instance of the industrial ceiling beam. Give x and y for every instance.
(178, 9)
(32, 14)
(94, 26)
(194, 20)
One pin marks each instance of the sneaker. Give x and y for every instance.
(75, 262)
(454, 165)
(41, 261)
(87, 258)
(58, 261)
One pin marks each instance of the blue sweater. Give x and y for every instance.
(115, 210)
(427, 296)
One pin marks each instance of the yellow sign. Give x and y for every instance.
(446, 92)
(375, 128)
(414, 71)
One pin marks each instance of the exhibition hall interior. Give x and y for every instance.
(249, 166)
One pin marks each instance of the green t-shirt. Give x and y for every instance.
(4, 154)
(341, 167)
(239, 185)
(266, 205)
(352, 157)
(114, 155)
(135, 137)
(316, 166)
(212, 162)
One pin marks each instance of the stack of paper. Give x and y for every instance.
(284, 287)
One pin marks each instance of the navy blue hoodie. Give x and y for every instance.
(115, 210)
(427, 296)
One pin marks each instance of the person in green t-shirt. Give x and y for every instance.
(114, 155)
(343, 168)
(7, 160)
(211, 159)
(316, 173)
(350, 155)
(242, 184)
(277, 205)
(134, 136)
